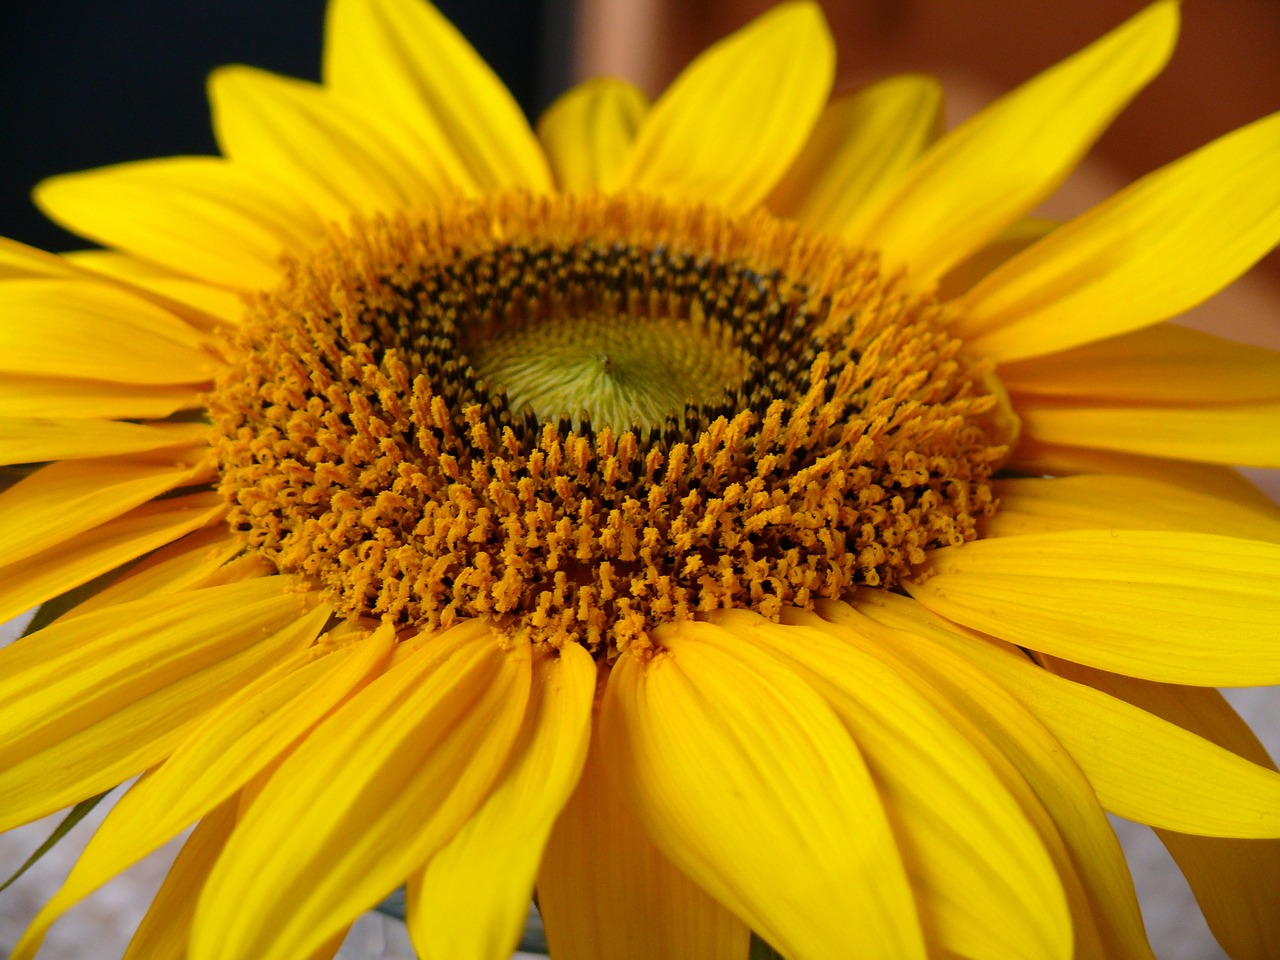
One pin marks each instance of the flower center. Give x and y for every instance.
(607, 370)
(584, 417)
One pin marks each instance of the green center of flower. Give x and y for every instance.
(585, 417)
(608, 370)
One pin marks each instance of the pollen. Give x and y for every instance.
(583, 417)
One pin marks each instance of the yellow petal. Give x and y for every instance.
(26, 396)
(1234, 881)
(401, 57)
(1178, 607)
(199, 216)
(216, 305)
(340, 161)
(471, 899)
(88, 703)
(62, 500)
(1161, 364)
(1016, 238)
(1035, 457)
(17, 260)
(859, 148)
(1141, 766)
(166, 928)
(1242, 433)
(96, 331)
(1105, 502)
(985, 885)
(238, 740)
(728, 127)
(998, 165)
(607, 893)
(1157, 248)
(371, 793)
(38, 439)
(746, 779)
(588, 133)
(186, 564)
(59, 568)
(1089, 859)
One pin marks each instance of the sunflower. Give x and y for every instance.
(728, 516)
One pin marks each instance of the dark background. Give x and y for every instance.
(85, 83)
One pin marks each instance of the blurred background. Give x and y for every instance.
(90, 82)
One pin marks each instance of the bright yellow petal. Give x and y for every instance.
(1141, 766)
(62, 500)
(90, 702)
(371, 793)
(588, 133)
(199, 216)
(1242, 433)
(607, 893)
(1234, 881)
(747, 780)
(1157, 248)
(985, 885)
(96, 331)
(237, 741)
(166, 928)
(187, 564)
(471, 899)
(859, 148)
(19, 261)
(59, 568)
(728, 127)
(217, 305)
(401, 57)
(1104, 905)
(39, 439)
(1162, 364)
(1177, 607)
(24, 396)
(1034, 457)
(340, 161)
(997, 166)
(1106, 502)
(1016, 238)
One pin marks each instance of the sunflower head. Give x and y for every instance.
(611, 508)
(587, 416)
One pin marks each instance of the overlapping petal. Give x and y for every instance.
(94, 700)
(747, 780)
(859, 147)
(728, 127)
(403, 59)
(199, 216)
(471, 899)
(1234, 881)
(588, 133)
(607, 893)
(59, 568)
(239, 739)
(1141, 766)
(1155, 249)
(1088, 858)
(95, 331)
(373, 792)
(1179, 607)
(995, 167)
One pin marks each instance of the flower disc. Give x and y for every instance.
(584, 417)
